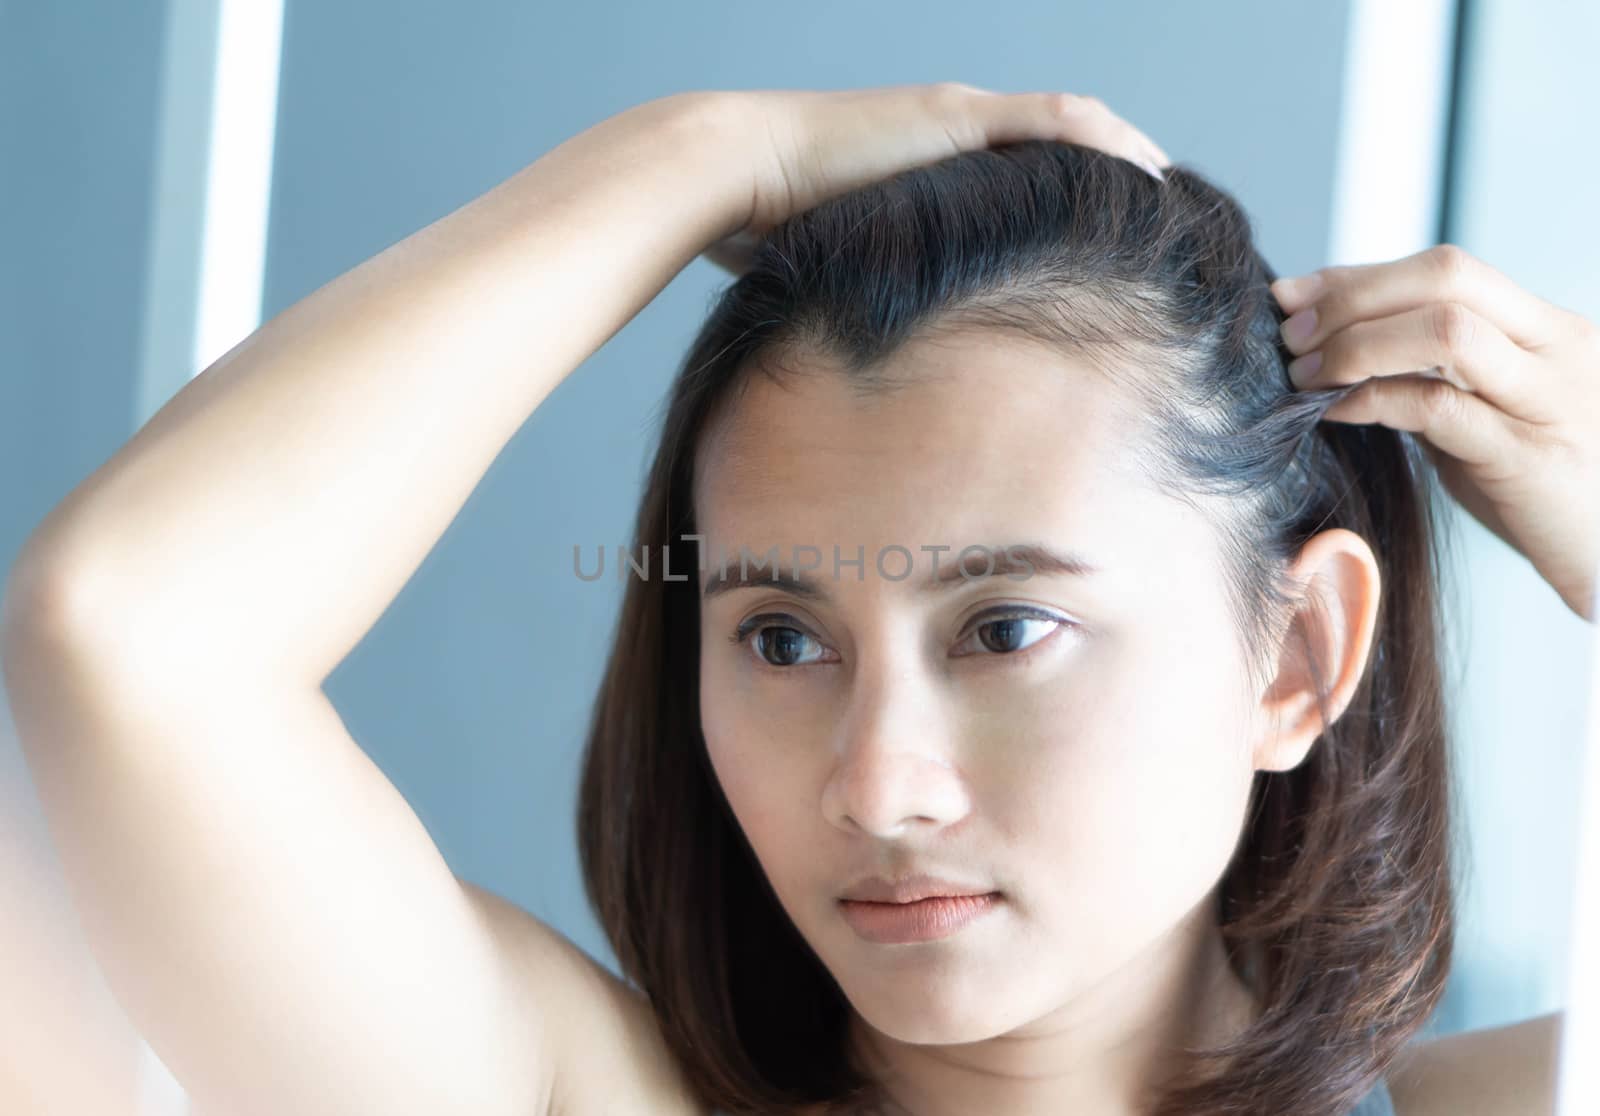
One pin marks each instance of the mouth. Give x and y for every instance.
(928, 919)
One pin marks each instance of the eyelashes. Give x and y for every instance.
(1013, 624)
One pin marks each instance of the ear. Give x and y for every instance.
(1330, 633)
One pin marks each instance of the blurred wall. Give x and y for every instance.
(1519, 201)
(80, 89)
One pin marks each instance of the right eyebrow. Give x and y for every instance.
(1025, 559)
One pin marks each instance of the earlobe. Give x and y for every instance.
(1328, 639)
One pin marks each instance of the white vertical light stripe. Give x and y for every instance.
(177, 205)
(1390, 165)
(239, 180)
(1578, 1078)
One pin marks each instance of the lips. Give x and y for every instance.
(911, 889)
(923, 921)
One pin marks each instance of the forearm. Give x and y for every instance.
(276, 505)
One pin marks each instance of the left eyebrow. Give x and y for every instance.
(1017, 558)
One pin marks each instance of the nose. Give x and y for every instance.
(893, 773)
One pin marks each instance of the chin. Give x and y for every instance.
(929, 1010)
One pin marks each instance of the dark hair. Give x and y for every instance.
(1337, 904)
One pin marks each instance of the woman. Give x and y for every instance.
(1199, 787)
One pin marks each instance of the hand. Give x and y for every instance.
(809, 146)
(1503, 386)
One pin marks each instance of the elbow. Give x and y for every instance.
(47, 602)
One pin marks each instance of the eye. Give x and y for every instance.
(1008, 632)
(1012, 632)
(783, 641)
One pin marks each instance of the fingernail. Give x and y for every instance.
(1301, 369)
(1155, 171)
(1299, 326)
(1296, 292)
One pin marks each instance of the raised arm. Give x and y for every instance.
(264, 903)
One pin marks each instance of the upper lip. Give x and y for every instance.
(909, 889)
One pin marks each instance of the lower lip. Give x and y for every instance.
(922, 921)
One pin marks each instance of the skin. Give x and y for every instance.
(1098, 777)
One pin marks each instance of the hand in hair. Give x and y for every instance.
(1503, 386)
(807, 146)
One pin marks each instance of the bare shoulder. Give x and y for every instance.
(1495, 1071)
(605, 1050)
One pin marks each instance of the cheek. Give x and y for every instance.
(1134, 798)
(742, 754)
(757, 728)
(724, 724)
(764, 803)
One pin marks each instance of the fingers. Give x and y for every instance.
(1461, 424)
(1088, 120)
(1073, 117)
(1447, 339)
(1443, 273)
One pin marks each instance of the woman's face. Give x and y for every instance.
(1090, 761)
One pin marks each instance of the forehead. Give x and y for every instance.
(985, 438)
(962, 406)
